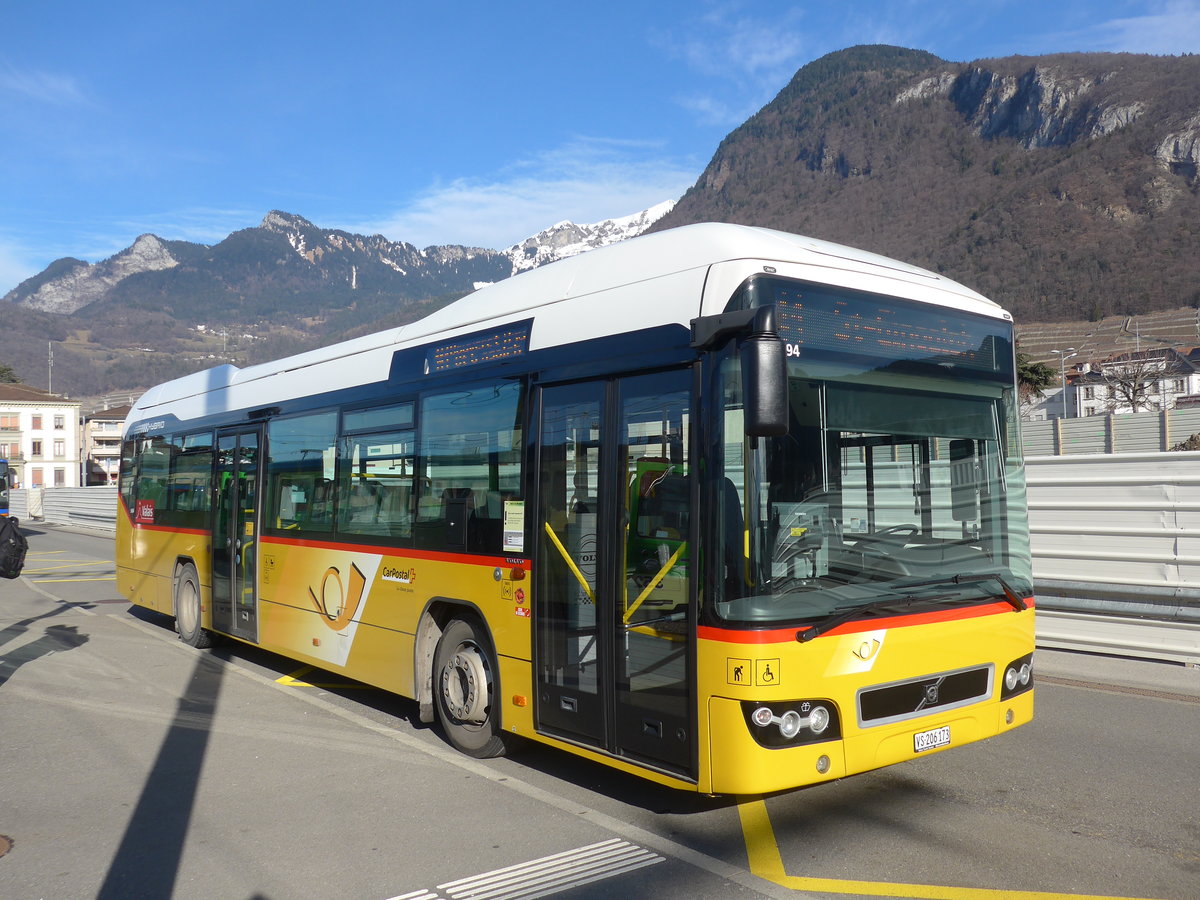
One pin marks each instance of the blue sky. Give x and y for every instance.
(473, 122)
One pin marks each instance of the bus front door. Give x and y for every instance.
(235, 532)
(613, 594)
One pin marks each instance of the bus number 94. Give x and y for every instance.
(793, 350)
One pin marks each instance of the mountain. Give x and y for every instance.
(286, 260)
(317, 270)
(280, 287)
(1064, 187)
(568, 239)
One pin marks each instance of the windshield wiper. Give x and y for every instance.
(1009, 594)
(845, 615)
(853, 612)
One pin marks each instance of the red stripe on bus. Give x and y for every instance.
(783, 635)
(432, 555)
(170, 529)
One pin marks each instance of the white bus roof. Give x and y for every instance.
(653, 280)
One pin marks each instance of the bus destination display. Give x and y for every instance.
(888, 329)
(475, 349)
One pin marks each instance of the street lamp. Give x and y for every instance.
(1063, 356)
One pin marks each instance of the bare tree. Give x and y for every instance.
(1131, 382)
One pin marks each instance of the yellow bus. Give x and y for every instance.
(731, 509)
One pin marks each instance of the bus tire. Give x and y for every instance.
(187, 609)
(466, 688)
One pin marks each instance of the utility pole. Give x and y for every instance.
(1063, 356)
(50, 366)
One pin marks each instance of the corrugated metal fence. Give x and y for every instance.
(94, 507)
(1128, 433)
(1116, 552)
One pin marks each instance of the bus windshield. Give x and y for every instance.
(898, 485)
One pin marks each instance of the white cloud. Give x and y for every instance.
(742, 58)
(1168, 27)
(587, 180)
(42, 87)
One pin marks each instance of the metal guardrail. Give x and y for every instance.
(90, 507)
(1142, 638)
(1116, 552)
(1117, 534)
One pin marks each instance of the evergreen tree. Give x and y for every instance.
(1034, 377)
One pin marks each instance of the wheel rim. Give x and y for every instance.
(189, 610)
(466, 685)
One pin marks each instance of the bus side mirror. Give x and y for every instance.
(764, 378)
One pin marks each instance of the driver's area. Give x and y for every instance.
(870, 488)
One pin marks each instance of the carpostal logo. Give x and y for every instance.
(399, 576)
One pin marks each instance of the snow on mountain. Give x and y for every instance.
(568, 239)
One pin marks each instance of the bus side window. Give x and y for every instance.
(471, 447)
(375, 485)
(150, 491)
(301, 467)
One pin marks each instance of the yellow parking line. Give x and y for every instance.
(293, 680)
(64, 580)
(71, 562)
(766, 862)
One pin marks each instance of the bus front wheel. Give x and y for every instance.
(466, 688)
(187, 609)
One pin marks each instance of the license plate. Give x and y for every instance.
(931, 740)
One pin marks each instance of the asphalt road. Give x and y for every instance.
(134, 766)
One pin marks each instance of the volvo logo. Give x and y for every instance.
(932, 689)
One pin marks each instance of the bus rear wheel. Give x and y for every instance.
(466, 687)
(187, 609)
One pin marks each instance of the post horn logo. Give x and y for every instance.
(337, 603)
(867, 649)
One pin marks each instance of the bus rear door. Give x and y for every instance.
(235, 532)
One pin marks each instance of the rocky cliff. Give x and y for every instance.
(1065, 187)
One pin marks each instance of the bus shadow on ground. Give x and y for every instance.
(553, 763)
(147, 861)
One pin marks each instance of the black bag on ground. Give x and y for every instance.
(12, 547)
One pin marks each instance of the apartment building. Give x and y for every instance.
(102, 444)
(39, 436)
(1143, 381)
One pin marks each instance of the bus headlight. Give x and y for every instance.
(1018, 677)
(792, 722)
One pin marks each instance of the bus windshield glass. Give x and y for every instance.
(898, 487)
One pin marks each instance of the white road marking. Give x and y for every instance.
(545, 876)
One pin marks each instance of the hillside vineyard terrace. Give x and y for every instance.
(727, 508)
